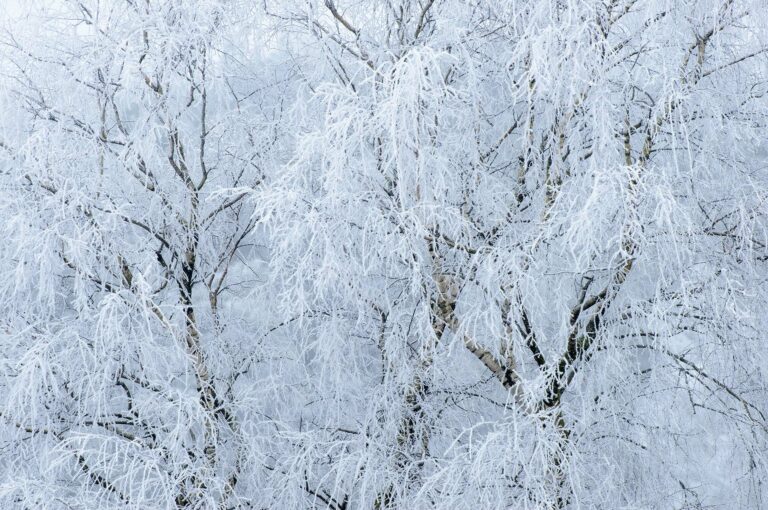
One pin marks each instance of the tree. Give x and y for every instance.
(431, 254)
(120, 361)
(523, 218)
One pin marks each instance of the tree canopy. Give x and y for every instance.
(383, 254)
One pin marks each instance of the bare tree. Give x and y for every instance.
(122, 345)
(543, 226)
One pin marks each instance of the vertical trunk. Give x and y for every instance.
(204, 385)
